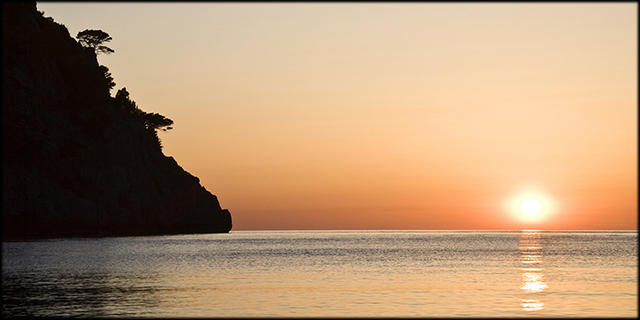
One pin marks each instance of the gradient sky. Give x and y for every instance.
(389, 116)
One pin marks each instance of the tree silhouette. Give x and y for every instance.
(107, 77)
(124, 102)
(155, 121)
(95, 39)
(152, 121)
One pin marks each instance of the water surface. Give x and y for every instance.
(327, 273)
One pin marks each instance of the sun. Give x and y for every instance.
(531, 207)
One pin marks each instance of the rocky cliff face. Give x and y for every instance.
(75, 164)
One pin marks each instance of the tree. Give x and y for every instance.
(95, 39)
(124, 102)
(153, 121)
(107, 77)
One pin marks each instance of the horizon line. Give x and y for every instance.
(636, 230)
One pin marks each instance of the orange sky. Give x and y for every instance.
(389, 116)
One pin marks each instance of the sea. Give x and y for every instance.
(461, 273)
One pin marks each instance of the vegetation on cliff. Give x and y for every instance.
(95, 39)
(77, 161)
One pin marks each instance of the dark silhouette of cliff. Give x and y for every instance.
(75, 160)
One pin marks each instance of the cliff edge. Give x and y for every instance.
(76, 162)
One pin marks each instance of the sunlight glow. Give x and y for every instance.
(531, 207)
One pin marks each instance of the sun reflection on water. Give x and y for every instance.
(532, 276)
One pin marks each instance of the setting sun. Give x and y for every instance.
(532, 204)
(531, 207)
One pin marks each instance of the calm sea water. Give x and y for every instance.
(326, 273)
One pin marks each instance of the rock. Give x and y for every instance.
(75, 164)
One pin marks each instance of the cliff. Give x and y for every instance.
(74, 162)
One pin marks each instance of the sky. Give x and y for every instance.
(389, 116)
